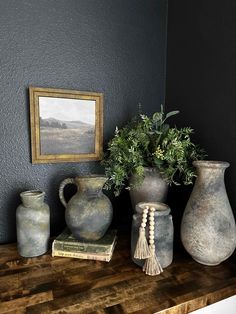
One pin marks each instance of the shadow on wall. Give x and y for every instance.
(120, 52)
(12, 203)
(177, 200)
(122, 211)
(56, 211)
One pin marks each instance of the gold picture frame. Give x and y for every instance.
(66, 125)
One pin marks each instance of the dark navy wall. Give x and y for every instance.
(116, 47)
(201, 80)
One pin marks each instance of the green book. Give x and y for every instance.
(67, 243)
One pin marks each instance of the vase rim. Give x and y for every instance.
(211, 163)
(159, 206)
(92, 176)
(32, 193)
(150, 168)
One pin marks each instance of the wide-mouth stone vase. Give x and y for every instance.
(163, 232)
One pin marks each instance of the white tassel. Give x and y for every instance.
(152, 267)
(142, 250)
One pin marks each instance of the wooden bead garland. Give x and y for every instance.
(142, 250)
(151, 266)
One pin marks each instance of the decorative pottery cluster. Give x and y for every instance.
(208, 229)
(88, 215)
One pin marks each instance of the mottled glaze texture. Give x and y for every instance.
(33, 224)
(208, 230)
(152, 189)
(163, 232)
(89, 212)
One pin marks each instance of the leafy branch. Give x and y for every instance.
(150, 142)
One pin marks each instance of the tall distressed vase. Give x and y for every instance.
(208, 230)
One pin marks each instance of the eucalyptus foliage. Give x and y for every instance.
(150, 142)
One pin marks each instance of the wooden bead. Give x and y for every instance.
(145, 211)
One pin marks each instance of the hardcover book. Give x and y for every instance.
(65, 245)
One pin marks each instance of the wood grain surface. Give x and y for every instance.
(64, 285)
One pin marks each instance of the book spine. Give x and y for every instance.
(71, 247)
(80, 244)
(105, 258)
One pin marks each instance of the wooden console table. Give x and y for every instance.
(63, 285)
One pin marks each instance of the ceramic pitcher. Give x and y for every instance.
(89, 212)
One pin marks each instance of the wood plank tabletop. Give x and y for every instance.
(49, 284)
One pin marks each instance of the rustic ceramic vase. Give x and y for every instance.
(32, 224)
(89, 212)
(152, 189)
(208, 230)
(163, 232)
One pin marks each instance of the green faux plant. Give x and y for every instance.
(150, 142)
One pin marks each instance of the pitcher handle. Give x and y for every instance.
(61, 189)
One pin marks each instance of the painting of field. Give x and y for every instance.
(66, 137)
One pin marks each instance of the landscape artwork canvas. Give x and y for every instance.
(66, 125)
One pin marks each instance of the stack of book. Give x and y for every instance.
(65, 245)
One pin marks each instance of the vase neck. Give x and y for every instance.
(210, 171)
(151, 170)
(35, 198)
(91, 184)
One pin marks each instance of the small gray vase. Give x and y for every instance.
(208, 230)
(152, 189)
(163, 232)
(32, 224)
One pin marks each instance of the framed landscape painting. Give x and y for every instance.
(66, 125)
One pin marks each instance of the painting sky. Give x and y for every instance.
(67, 109)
